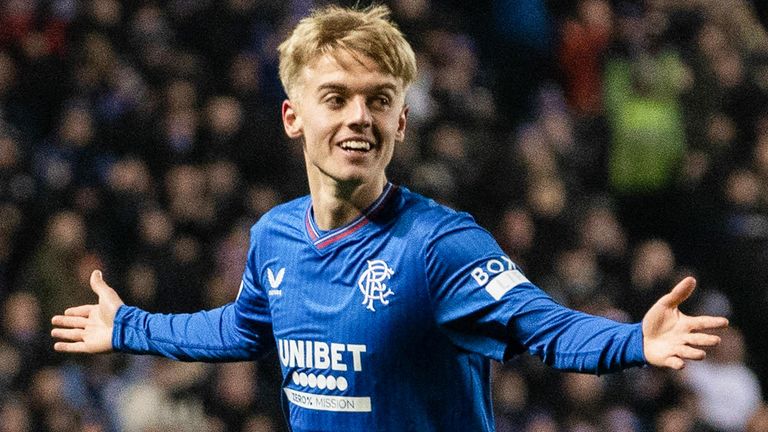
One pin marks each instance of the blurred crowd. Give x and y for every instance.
(611, 146)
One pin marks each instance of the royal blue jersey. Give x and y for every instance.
(387, 323)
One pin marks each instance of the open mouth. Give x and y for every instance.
(356, 146)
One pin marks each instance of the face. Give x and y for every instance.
(350, 114)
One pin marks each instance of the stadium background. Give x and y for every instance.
(610, 146)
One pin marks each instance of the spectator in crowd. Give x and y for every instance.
(584, 40)
(727, 391)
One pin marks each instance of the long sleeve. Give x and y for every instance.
(215, 336)
(570, 340)
(486, 305)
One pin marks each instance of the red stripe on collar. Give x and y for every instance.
(322, 241)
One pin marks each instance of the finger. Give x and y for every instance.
(82, 311)
(73, 335)
(69, 321)
(679, 293)
(70, 347)
(675, 363)
(691, 353)
(708, 323)
(702, 339)
(97, 283)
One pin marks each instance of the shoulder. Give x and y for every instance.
(429, 219)
(289, 214)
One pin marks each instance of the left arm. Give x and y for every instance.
(570, 340)
(575, 341)
(501, 313)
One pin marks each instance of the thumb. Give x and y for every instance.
(97, 283)
(108, 298)
(679, 293)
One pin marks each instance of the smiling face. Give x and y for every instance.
(350, 115)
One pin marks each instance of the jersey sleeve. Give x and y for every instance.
(241, 330)
(485, 304)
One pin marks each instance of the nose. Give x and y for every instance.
(359, 114)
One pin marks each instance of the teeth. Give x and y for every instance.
(356, 145)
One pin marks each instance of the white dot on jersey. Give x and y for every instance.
(331, 383)
(312, 379)
(296, 378)
(341, 383)
(303, 379)
(321, 382)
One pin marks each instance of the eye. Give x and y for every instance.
(334, 101)
(381, 101)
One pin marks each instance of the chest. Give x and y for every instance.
(370, 293)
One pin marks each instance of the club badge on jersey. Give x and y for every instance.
(372, 284)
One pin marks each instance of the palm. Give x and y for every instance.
(88, 328)
(670, 337)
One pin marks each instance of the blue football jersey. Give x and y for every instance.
(387, 323)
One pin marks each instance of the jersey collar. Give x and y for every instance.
(321, 239)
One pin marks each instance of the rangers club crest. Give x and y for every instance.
(372, 283)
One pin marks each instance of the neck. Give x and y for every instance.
(335, 204)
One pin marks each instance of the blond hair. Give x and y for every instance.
(368, 31)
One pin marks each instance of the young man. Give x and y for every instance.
(384, 306)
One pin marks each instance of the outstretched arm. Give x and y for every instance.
(571, 340)
(486, 305)
(670, 337)
(237, 331)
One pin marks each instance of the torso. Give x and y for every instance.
(353, 322)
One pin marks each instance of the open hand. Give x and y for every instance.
(670, 337)
(88, 328)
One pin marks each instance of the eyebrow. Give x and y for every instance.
(341, 87)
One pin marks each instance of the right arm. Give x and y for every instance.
(221, 334)
(237, 331)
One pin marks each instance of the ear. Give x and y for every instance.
(401, 122)
(291, 120)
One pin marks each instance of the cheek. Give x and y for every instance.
(312, 133)
(320, 126)
(392, 125)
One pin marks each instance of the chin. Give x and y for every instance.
(352, 175)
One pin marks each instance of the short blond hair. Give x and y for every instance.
(368, 31)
